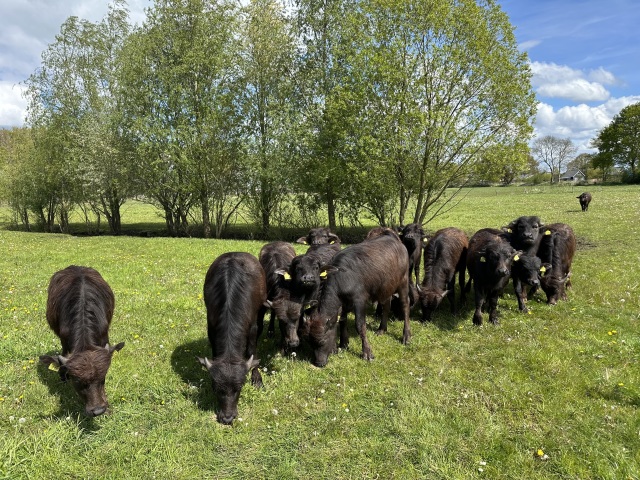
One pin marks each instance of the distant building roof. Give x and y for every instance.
(571, 174)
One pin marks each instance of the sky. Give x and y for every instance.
(584, 54)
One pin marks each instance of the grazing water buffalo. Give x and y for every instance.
(372, 270)
(585, 200)
(444, 256)
(412, 237)
(489, 261)
(555, 281)
(274, 257)
(79, 309)
(235, 296)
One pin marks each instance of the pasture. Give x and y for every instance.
(551, 394)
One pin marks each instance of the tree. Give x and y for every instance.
(620, 140)
(16, 181)
(443, 83)
(181, 80)
(268, 52)
(553, 152)
(73, 112)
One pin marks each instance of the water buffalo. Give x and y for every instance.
(585, 200)
(372, 270)
(526, 270)
(319, 236)
(274, 257)
(235, 296)
(489, 261)
(555, 282)
(79, 310)
(412, 237)
(444, 256)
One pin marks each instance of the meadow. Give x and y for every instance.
(553, 394)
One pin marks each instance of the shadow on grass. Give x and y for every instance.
(618, 394)
(194, 375)
(70, 403)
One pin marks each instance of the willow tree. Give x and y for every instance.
(444, 82)
(268, 51)
(180, 77)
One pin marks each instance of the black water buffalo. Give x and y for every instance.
(525, 233)
(585, 200)
(526, 270)
(412, 237)
(372, 270)
(235, 295)
(489, 261)
(274, 257)
(79, 309)
(555, 281)
(444, 256)
(319, 236)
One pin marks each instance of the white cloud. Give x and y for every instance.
(581, 122)
(560, 81)
(12, 105)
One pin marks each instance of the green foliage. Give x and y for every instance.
(619, 142)
(458, 399)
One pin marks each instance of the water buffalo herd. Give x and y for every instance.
(311, 295)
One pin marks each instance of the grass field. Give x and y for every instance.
(553, 394)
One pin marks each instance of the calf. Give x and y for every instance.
(235, 296)
(526, 270)
(372, 270)
(274, 257)
(412, 237)
(319, 236)
(585, 200)
(444, 256)
(555, 281)
(489, 260)
(79, 309)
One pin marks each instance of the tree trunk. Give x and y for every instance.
(331, 209)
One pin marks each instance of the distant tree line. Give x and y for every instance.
(346, 107)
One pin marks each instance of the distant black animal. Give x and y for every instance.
(556, 281)
(372, 270)
(412, 237)
(79, 310)
(444, 256)
(585, 200)
(489, 260)
(274, 258)
(235, 295)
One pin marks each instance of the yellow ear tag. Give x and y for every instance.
(543, 269)
(323, 274)
(53, 367)
(509, 230)
(287, 276)
(516, 258)
(307, 306)
(548, 232)
(483, 260)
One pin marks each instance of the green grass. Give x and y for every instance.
(563, 379)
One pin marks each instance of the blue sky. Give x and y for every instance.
(585, 55)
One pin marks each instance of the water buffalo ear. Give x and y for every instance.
(252, 363)
(333, 238)
(283, 273)
(205, 362)
(114, 348)
(326, 270)
(57, 360)
(545, 268)
(302, 240)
